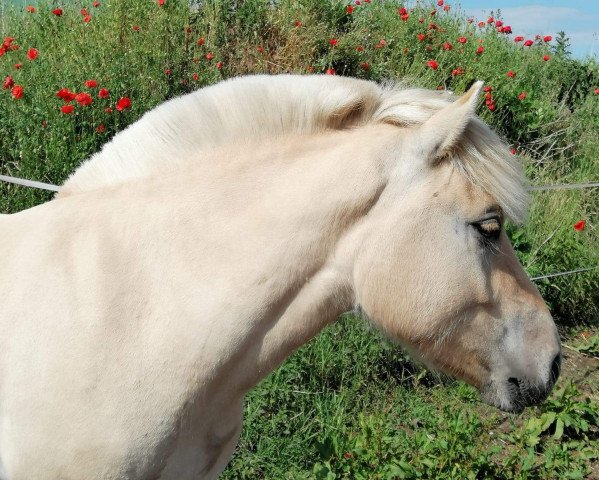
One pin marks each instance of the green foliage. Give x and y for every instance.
(129, 46)
(560, 441)
(451, 443)
(590, 346)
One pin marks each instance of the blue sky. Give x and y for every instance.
(578, 18)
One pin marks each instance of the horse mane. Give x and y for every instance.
(260, 107)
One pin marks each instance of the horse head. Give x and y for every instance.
(438, 273)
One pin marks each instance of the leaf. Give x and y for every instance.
(547, 419)
(559, 429)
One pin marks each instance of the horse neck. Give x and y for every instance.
(288, 224)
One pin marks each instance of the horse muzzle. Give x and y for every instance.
(514, 393)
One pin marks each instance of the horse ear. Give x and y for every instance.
(440, 133)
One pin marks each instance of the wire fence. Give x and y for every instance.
(536, 188)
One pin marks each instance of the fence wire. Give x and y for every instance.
(537, 188)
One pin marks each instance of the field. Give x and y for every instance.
(349, 404)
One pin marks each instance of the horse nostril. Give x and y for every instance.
(555, 368)
(514, 384)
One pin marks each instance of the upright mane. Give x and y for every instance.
(261, 107)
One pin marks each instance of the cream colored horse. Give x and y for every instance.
(176, 269)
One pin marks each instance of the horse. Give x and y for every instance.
(205, 243)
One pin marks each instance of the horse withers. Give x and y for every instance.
(141, 304)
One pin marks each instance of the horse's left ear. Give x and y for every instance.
(440, 133)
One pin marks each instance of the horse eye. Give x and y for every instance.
(490, 228)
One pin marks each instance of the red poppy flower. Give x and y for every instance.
(490, 20)
(160, 3)
(462, 40)
(402, 11)
(108, 110)
(457, 71)
(347, 454)
(219, 65)
(433, 64)
(447, 46)
(498, 23)
(167, 71)
(17, 91)
(30, 9)
(7, 41)
(87, 19)
(546, 57)
(84, 12)
(83, 99)
(421, 37)
(547, 38)
(580, 225)
(200, 41)
(481, 24)
(310, 69)
(67, 109)
(528, 43)
(359, 48)
(96, 4)
(597, 91)
(446, 9)
(195, 76)
(518, 38)
(522, 96)
(32, 54)
(18, 65)
(297, 24)
(349, 9)
(440, 3)
(103, 93)
(491, 107)
(511, 74)
(135, 28)
(260, 49)
(66, 95)
(57, 11)
(101, 128)
(8, 82)
(333, 42)
(404, 17)
(480, 50)
(209, 56)
(365, 66)
(330, 71)
(513, 151)
(123, 103)
(488, 88)
(91, 83)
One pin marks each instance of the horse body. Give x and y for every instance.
(99, 334)
(136, 315)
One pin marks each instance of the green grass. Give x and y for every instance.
(349, 405)
(555, 127)
(348, 391)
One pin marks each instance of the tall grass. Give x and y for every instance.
(151, 53)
